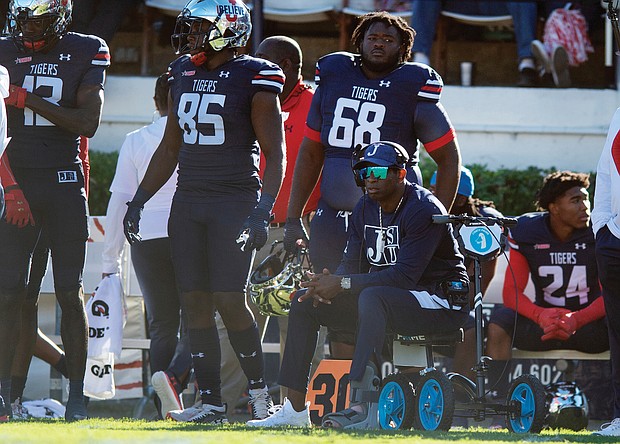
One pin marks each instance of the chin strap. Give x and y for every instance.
(199, 59)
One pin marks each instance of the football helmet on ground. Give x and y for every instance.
(568, 406)
(274, 282)
(215, 24)
(36, 24)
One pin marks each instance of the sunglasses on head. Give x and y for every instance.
(378, 172)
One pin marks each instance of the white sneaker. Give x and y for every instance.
(261, 403)
(559, 67)
(202, 413)
(609, 429)
(543, 62)
(170, 399)
(19, 412)
(284, 415)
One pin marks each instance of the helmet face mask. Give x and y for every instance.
(275, 280)
(211, 25)
(37, 24)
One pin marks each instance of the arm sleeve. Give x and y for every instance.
(6, 175)
(85, 162)
(514, 296)
(123, 187)
(591, 313)
(602, 195)
(114, 240)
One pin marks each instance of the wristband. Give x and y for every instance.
(266, 202)
(140, 198)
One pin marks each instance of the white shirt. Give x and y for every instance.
(607, 193)
(133, 161)
(4, 92)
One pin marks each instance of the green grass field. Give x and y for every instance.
(137, 431)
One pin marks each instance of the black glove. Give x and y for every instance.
(131, 221)
(293, 231)
(255, 230)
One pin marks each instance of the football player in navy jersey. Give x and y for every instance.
(223, 106)
(362, 98)
(555, 247)
(395, 272)
(56, 94)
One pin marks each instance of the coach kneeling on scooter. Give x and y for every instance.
(396, 272)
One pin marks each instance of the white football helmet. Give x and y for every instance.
(228, 26)
(36, 24)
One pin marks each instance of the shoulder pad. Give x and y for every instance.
(334, 63)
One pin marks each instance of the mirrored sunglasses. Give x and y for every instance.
(377, 171)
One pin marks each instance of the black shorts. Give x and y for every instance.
(591, 338)
(205, 253)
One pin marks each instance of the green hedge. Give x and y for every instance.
(102, 168)
(513, 191)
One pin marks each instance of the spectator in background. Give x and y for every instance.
(565, 42)
(170, 358)
(524, 16)
(606, 226)
(555, 247)
(295, 98)
(101, 17)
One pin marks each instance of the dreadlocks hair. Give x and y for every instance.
(558, 183)
(406, 32)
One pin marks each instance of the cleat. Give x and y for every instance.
(200, 413)
(609, 429)
(164, 385)
(261, 403)
(18, 411)
(284, 415)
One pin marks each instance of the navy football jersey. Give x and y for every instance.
(564, 273)
(349, 109)
(56, 76)
(404, 249)
(219, 155)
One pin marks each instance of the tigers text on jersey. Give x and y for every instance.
(564, 273)
(349, 109)
(219, 155)
(55, 75)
